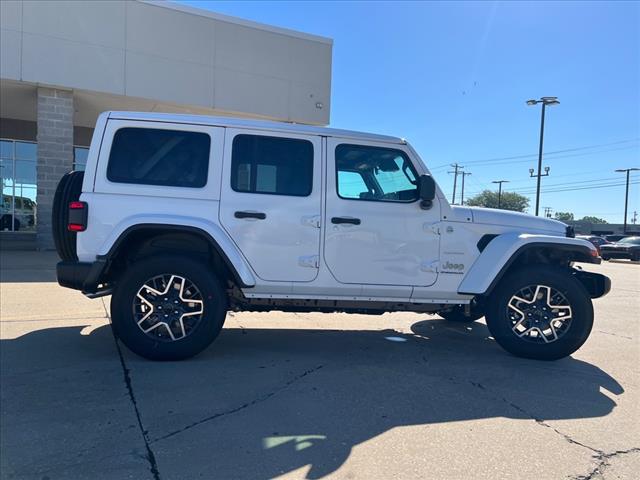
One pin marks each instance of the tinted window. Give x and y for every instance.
(631, 240)
(375, 173)
(159, 157)
(272, 165)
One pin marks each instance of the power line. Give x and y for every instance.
(583, 188)
(555, 152)
(579, 183)
(570, 189)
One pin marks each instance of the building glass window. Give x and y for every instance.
(18, 211)
(80, 155)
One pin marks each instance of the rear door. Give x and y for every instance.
(270, 201)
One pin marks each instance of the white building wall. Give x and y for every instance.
(167, 53)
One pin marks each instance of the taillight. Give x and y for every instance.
(77, 216)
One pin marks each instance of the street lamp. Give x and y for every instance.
(626, 195)
(500, 182)
(544, 101)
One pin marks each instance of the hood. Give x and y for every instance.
(521, 221)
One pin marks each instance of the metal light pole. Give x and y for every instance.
(500, 182)
(544, 101)
(626, 195)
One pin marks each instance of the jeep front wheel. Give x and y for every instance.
(540, 312)
(168, 308)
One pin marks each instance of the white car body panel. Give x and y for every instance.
(107, 223)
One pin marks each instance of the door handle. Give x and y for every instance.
(351, 220)
(258, 215)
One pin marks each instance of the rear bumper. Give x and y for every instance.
(84, 276)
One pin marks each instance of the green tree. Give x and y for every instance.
(508, 201)
(591, 219)
(564, 216)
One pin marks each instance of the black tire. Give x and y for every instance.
(572, 338)
(7, 220)
(636, 257)
(203, 333)
(68, 190)
(457, 314)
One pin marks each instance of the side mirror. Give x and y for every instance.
(426, 191)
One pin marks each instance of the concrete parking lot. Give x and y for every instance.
(310, 395)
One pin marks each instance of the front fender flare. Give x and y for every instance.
(504, 249)
(213, 232)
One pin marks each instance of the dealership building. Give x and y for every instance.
(64, 62)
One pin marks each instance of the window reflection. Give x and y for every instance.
(80, 155)
(18, 210)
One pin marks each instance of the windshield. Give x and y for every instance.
(630, 240)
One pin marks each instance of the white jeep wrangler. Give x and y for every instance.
(183, 218)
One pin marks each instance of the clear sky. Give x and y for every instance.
(453, 78)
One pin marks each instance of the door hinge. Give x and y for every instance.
(432, 227)
(430, 266)
(311, 221)
(310, 261)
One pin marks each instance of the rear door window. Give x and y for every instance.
(147, 156)
(272, 165)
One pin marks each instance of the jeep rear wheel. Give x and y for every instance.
(168, 308)
(540, 312)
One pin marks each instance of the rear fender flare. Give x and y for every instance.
(213, 232)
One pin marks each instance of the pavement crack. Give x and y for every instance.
(253, 402)
(615, 334)
(150, 457)
(602, 463)
(539, 421)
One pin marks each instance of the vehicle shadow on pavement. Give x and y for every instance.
(262, 402)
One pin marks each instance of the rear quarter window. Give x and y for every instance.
(147, 156)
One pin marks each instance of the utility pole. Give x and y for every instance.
(635, 217)
(500, 182)
(547, 212)
(455, 180)
(544, 101)
(626, 195)
(464, 174)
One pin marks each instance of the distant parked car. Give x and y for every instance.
(595, 240)
(628, 247)
(614, 238)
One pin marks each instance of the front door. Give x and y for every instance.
(376, 232)
(270, 202)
